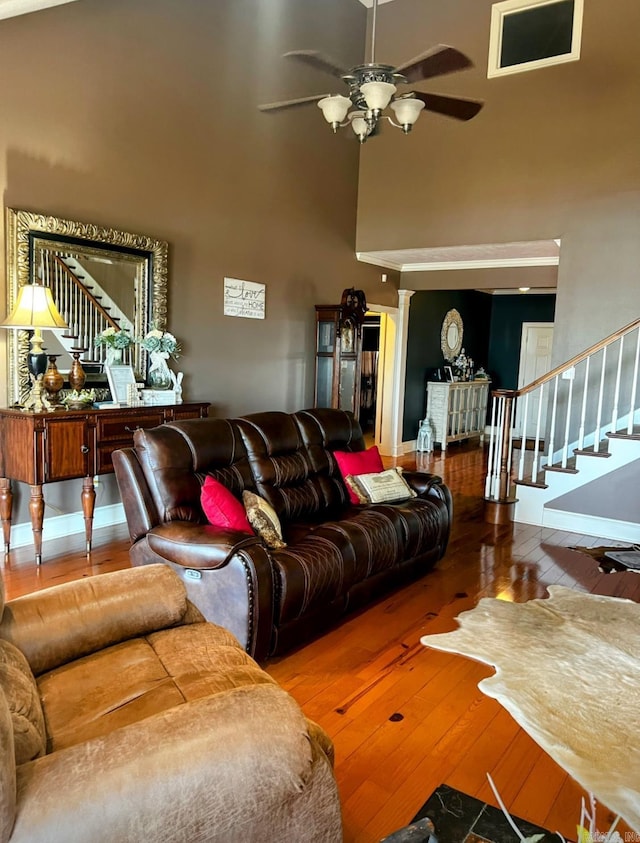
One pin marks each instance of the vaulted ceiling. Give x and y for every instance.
(12, 8)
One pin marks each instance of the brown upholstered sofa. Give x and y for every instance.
(338, 556)
(124, 717)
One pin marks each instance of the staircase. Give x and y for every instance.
(578, 467)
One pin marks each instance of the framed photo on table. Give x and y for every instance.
(120, 377)
(448, 374)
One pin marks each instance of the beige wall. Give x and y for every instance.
(142, 115)
(553, 154)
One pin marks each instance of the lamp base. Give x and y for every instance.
(37, 400)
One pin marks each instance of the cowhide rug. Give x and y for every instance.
(568, 671)
(624, 558)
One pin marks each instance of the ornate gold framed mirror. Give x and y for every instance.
(451, 335)
(99, 277)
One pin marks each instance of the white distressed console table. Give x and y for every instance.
(457, 410)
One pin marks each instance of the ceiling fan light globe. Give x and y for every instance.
(407, 111)
(334, 109)
(360, 126)
(377, 95)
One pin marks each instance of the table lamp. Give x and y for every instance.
(35, 309)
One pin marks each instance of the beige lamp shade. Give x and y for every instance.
(34, 308)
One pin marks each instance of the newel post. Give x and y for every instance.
(499, 499)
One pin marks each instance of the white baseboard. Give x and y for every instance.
(590, 525)
(58, 526)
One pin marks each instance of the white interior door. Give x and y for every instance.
(535, 361)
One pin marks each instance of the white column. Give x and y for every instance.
(399, 371)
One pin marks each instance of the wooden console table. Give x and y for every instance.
(457, 410)
(39, 448)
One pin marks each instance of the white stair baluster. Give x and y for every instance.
(552, 429)
(634, 385)
(596, 440)
(583, 411)
(616, 393)
(567, 426)
(536, 446)
(488, 479)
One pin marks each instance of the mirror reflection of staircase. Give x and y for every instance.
(85, 305)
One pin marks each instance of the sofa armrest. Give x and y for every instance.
(197, 545)
(237, 766)
(67, 621)
(429, 485)
(227, 575)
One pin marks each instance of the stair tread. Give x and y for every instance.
(622, 434)
(562, 469)
(537, 484)
(602, 451)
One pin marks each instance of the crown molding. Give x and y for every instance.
(438, 266)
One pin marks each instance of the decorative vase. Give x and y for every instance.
(114, 356)
(77, 376)
(53, 381)
(159, 376)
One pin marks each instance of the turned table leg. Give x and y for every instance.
(88, 506)
(36, 508)
(6, 506)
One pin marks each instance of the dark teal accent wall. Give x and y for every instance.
(507, 315)
(424, 354)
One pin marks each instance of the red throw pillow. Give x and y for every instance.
(222, 507)
(358, 462)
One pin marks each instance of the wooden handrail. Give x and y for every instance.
(598, 346)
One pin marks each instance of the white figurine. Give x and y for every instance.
(177, 385)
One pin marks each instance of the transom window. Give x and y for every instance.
(529, 34)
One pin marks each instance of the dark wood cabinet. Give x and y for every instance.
(39, 448)
(338, 361)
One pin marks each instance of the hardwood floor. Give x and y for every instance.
(405, 719)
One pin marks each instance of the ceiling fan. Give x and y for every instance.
(373, 87)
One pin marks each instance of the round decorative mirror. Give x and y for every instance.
(451, 335)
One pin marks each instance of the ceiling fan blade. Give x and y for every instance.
(437, 61)
(276, 106)
(318, 60)
(459, 109)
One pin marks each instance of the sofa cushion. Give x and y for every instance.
(358, 462)
(136, 679)
(222, 507)
(324, 564)
(425, 523)
(21, 692)
(280, 465)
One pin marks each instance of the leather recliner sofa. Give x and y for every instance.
(338, 556)
(125, 717)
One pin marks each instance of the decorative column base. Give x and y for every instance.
(499, 512)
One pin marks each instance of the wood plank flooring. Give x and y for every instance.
(405, 719)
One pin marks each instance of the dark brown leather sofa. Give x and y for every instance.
(338, 556)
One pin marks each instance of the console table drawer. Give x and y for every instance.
(121, 428)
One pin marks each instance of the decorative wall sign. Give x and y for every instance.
(244, 298)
